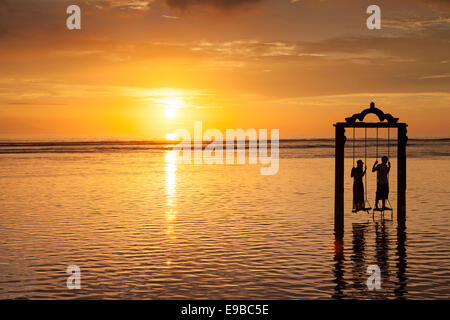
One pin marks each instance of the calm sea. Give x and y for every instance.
(141, 225)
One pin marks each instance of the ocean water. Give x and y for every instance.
(142, 225)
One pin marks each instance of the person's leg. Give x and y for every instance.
(377, 194)
(387, 191)
(362, 203)
(385, 194)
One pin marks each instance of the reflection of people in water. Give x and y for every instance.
(382, 249)
(354, 285)
(382, 181)
(358, 257)
(358, 186)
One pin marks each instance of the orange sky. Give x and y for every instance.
(149, 67)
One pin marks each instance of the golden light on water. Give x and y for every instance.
(171, 168)
(171, 211)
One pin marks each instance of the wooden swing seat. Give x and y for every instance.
(362, 209)
(383, 209)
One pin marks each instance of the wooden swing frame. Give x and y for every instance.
(357, 121)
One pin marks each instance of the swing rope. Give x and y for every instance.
(377, 146)
(353, 147)
(389, 142)
(376, 157)
(365, 163)
(389, 157)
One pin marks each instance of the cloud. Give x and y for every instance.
(253, 48)
(219, 4)
(3, 15)
(165, 16)
(439, 5)
(134, 5)
(414, 25)
(436, 76)
(3, 30)
(440, 2)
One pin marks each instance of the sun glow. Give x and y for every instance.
(170, 112)
(171, 105)
(170, 136)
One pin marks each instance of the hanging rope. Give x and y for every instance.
(377, 145)
(389, 142)
(389, 157)
(353, 147)
(365, 163)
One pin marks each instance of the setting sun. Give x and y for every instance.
(171, 112)
(170, 136)
(171, 104)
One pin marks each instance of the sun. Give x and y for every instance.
(170, 136)
(170, 112)
(171, 105)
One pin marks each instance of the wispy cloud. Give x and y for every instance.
(417, 24)
(220, 4)
(124, 4)
(436, 76)
(170, 17)
(440, 5)
(252, 48)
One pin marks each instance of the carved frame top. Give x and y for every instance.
(380, 114)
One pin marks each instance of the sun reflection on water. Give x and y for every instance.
(171, 211)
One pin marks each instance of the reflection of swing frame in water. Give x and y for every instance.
(386, 121)
(349, 284)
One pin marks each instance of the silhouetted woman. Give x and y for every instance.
(358, 186)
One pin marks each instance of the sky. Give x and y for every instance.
(149, 67)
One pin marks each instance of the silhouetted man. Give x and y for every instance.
(382, 181)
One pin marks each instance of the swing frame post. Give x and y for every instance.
(339, 182)
(357, 121)
(401, 176)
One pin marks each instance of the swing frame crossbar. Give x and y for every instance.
(370, 125)
(357, 121)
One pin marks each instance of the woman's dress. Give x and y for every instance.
(358, 189)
